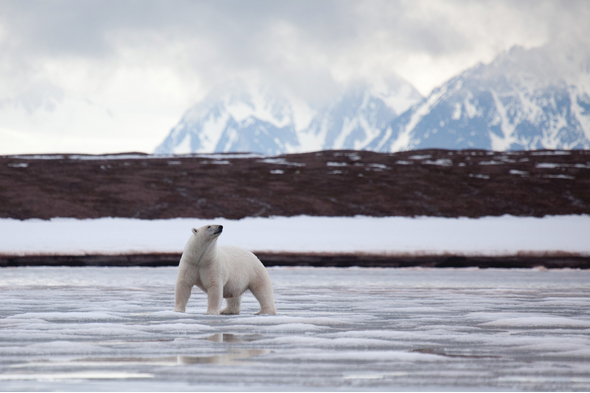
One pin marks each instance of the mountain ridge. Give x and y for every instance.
(525, 99)
(252, 117)
(500, 106)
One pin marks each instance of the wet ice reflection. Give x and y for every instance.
(232, 338)
(227, 358)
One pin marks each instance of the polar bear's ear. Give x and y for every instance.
(195, 231)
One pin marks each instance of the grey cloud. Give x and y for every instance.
(222, 37)
(80, 28)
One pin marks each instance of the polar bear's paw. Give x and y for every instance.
(268, 311)
(227, 311)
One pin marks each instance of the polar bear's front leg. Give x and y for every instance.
(214, 298)
(181, 295)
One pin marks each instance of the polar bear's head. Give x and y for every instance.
(203, 240)
(208, 232)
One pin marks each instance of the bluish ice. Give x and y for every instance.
(76, 329)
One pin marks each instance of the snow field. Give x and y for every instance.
(494, 236)
(359, 329)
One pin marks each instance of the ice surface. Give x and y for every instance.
(506, 235)
(81, 329)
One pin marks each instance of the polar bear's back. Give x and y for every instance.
(241, 261)
(233, 254)
(243, 271)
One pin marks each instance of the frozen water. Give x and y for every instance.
(80, 329)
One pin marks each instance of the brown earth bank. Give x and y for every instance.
(470, 183)
(550, 261)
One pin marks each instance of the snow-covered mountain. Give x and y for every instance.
(235, 117)
(353, 119)
(523, 100)
(251, 116)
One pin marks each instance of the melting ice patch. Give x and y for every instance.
(543, 321)
(72, 315)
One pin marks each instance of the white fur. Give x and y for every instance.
(221, 272)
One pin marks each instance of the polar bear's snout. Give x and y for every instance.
(211, 230)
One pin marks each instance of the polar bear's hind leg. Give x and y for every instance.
(233, 306)
(263, 293)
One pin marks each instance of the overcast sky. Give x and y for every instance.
(110, 76)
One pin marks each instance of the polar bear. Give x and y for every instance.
(221, 272)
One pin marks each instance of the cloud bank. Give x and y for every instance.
(136, 65)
